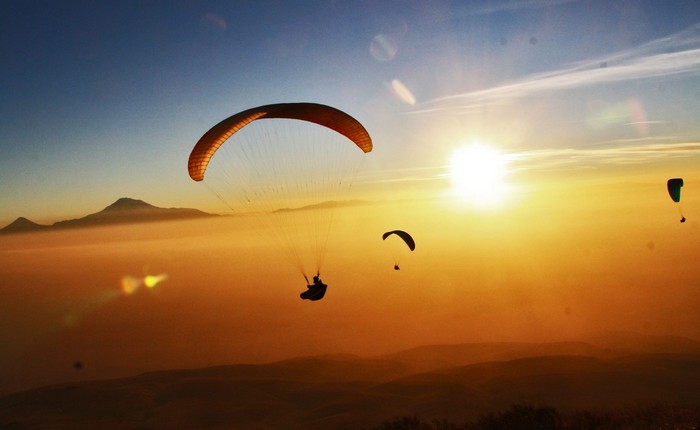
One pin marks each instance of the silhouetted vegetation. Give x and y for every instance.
(526, 417)
(405, 423)
(521, 417)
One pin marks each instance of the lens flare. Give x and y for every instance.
(131, 284)
(631, 113)
(152, 280)
(81, 306)
(403, 93)
(215, 20)
(383, 48)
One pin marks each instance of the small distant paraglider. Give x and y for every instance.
(674, 190)
(406, 238)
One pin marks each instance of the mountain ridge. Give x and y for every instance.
(124, 210)
(326, 392)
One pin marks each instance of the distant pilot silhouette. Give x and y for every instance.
(314, 291)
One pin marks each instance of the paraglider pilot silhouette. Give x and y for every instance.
(314, 291)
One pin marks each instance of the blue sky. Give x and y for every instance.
(102, 100)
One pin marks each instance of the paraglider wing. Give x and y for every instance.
(674, 188)
(316, 113)
(403, 235)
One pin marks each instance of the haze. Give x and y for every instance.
(566, 262)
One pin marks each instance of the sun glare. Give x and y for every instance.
(478, 174)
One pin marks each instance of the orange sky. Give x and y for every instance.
(566, 257)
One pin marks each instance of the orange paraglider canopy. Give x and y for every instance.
(316, 113)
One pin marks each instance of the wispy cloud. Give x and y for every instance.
(488, 8)
(617, 152)
(677, 54)
(413, 174)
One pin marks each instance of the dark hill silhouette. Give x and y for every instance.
(629, 342)
(124, 210)
(21, 225)
(326, 205)
(565, 382)
(432, 357)
(342, 392)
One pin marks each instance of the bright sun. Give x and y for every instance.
(478, 174)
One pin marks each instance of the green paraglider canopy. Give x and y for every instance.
(674, 188)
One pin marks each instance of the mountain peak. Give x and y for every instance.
(22, 224)
(126, 203)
